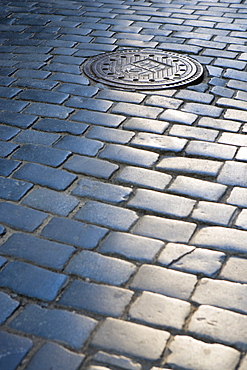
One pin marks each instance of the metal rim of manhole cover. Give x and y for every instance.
(146, 69)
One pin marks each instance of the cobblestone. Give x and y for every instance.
(8, 305)
(210, 322)
(51, 201)
(42, 175)
(222, 294)
(50, 354)
(159, 310)
(165, 281)
(37, 250)
(143, 177)
(106, 215)
(104, 300)
(73, 232)
(197, 188)
(101, 268)
(13, 350)
(161, 203)
(131, 246)
(140, 195)
(209, 355)
(129, 155)
(61, 326)
(17, 276)
(112, 333)
(235, 270)
(13, 190)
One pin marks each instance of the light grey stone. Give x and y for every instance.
(220, 325)
(189, 353)
(221, 238)
(216, 213)
(220, 293)
(130, 339)
(197, 188)
(160, 310)
(173, 252)
(235, 269)
(120, 361)
(161, 280)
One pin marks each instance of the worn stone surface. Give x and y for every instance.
(123, 212)
(113, 333)
(194, 354)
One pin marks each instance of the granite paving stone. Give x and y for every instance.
(44, 96)
(200, 261)
(210, 322)
(233, 173)
(40, 251)
(56, 125)
(220, 293)
(17, 119)
(42, 175)
(41, 154)
(220, 124)
(221, 238)
(102, 191)
(133, 247)
(189, 165)
(20, 217)
(211, 150)
(173, 252)
(136, 110)
(144, 124)
(215, 213)
(111, 336)
(101, 268)
(178, 116)
(209, 355)
(8, 306)
(107, 215)
(164, 229)
(121, 361)
(129, 155)
(7, 148)
(101, 299)
(235, 270)
(13, 189)
(18, 277)
(193, 133)
(91, 166)
(98, 118)
(7, 133)
(158, 142)
(143, 177)
(161, 203)
(59, 325)
(165, 281)
(13, 349)
(80, 145)
(110, 134)
(156, 309)
(197, 188)
(202, 109)
(48, 110)
(51, 354)
(73, 232)
(123, 219)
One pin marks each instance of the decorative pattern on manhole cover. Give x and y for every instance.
(143, 69)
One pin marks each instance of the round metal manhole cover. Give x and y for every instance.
(143, 69)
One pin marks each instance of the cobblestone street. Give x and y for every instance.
(123, 213)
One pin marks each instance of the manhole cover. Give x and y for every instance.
(143, 69)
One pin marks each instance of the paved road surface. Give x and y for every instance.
(123, 213)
